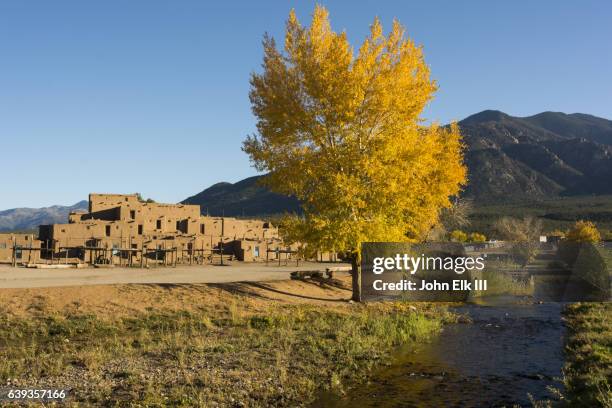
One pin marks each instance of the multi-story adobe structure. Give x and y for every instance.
(124, 229)
(19, 248)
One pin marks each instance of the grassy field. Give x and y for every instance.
(221, 348)
(556, 213)
(588, 367)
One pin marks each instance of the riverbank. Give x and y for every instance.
(511, 354)
(588, 367)
(241, 344)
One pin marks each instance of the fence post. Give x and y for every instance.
(14, 253)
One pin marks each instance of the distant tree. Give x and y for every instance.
(457, 215)
(557, 233)
(519, 229)
(450, 218)
(142, 200)
(477, 237)
(458, 236)
(342, 132)
(524, 233)
(583, 231)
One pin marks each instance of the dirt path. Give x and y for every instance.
(253, 272)
(117, 300)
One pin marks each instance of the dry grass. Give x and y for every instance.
(498, 283)
(213, 347)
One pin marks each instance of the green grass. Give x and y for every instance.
(209, 358)
(588, 368)
(499, 283)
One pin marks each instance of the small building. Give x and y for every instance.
(259, 250)
(19, 248)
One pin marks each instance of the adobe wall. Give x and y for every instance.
(124, 222)
(23, 242)
(122, 229)
(100, 202)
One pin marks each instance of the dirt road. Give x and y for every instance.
(254, 272)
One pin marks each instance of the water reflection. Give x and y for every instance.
(513, 348)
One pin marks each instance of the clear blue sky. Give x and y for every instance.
(152, 96)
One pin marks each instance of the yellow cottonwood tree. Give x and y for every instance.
(583, 231)
(342, 132)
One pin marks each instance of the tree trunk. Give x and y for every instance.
(356, 274)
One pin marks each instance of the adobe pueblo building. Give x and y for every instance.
(23, 248)
(124, 230)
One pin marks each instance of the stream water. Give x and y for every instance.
(513, 349)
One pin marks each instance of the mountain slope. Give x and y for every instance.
(493, 174)
(244, 198)
(30, 218)
(508, 158)
(575, 125)
(532, 152)
(502, 128)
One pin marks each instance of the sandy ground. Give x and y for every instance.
(253, 272)
(119, 300)
(123, 291)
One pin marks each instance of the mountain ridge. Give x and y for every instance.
(535, 157)
(25, 218)
(509, 158)
(243, 198)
